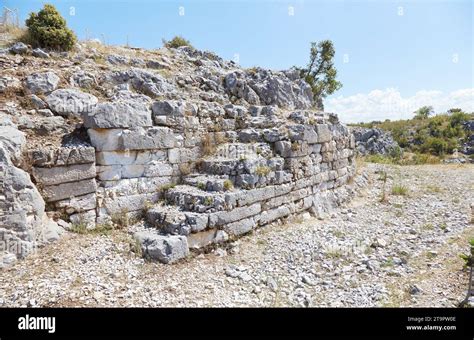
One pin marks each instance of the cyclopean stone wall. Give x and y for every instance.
(196, 183)
(198, 148)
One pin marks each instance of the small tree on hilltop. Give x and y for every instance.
(424, 112)
(47, 28)
(320, 73)
(176, 42)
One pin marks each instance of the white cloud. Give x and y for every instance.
(389, 104)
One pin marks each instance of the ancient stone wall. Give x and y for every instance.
(198, 148)
(196, 187)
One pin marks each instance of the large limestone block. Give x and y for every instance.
(273, 214)
(246, 197)
(116, 172)
(184, 155)
(166, 249)
(225, 217)
(47, 157)
(67, 190)
(121, 114)
(116, 157)
(151, 138)
(118, 204)
(105, 139)
(64, 174)
(139, 138)
(133, 186)
(240, 227)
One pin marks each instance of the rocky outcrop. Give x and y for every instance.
(23, 223)
(374, 141)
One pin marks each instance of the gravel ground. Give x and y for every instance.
(400, 252)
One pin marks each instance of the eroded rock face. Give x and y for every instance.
(374, 141)
(269, 88)
(23, 222)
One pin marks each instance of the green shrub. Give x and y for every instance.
(435, 146)
(176, 42)
(47, 28)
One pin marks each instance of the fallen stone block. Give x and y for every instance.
(166, 249)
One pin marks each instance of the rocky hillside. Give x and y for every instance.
(198, 148)
(374, 141)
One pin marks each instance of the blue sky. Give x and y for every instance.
(407, 51)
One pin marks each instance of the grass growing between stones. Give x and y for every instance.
(100, 229)
(399, 190)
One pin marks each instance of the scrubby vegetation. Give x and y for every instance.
(48, 29)
(177, 41)
(437, 135)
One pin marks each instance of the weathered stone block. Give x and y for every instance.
(66, 190)
(203, 238)
(182, 155)
(48, 157)
(121, 114)
(151, 138)
(77, 204)
(86, 217)
(166, 249)
(240, 227)
(113, 205)
(224, 217)
(129, 157)
(273, 214)
(324, 134)
(105, 139)
(64, 174)
(133, 186)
